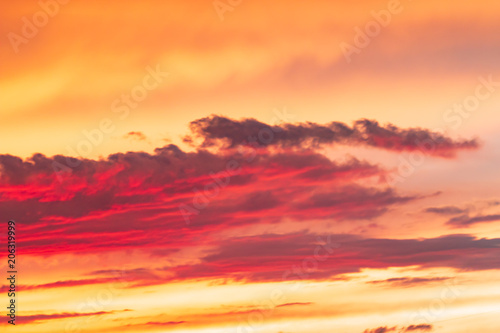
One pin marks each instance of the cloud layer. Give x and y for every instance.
(172, 199)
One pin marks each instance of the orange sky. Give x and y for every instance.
(123, 242)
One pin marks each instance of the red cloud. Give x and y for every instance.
(44, 317)
(113, 198)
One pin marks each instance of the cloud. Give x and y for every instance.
(60, 284)
(269, 257)
(384, 329)
(308, 256)
(129, 274)
(118, 277)
(409, 282)
(293, 304)
(135, 135)
(27, 319)
(160, 323)
(216, 129)
(411, 328)
(446, 210)
(141, 191)
(421, 327)
(136, 200)
(466, 221)
(375, 202)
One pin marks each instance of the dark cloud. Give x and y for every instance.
(307, 256)
(411, 328)
(466, 220)
(59, 284)
(408, 281)
(268, 257)
(44, 317)
(421, 327)
(384, 329)
(215, 129)
(446, 210)
(375, 202)
(118, 278)
(128, 274)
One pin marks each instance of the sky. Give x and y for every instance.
(251, 167)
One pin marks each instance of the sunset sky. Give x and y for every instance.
(251, 166)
